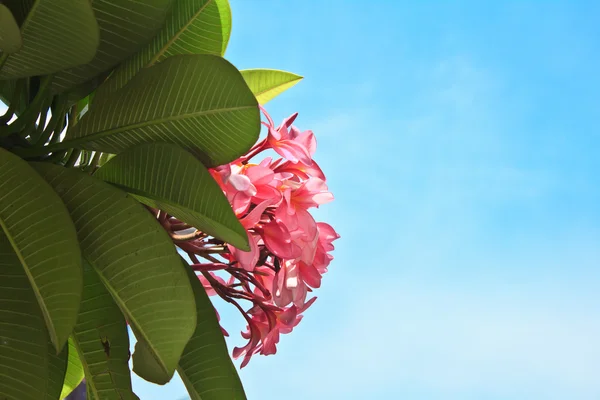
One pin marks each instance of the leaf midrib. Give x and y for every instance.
(34, 286)
(177, 35)
(86, 369)
(130, 317)
(278, 86)
(194, 394)
(158, 121)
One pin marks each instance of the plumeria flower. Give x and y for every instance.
(289, 250)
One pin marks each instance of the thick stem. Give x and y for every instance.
(260, 147)
(209, 267)
(14, 102)
(30, 114)
(73, 158)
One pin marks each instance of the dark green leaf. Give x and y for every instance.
(199, 102)
(191, 195)
(205, 366)
(192, 27)
(74, 374)
(10, 35)
(266, 84)
(41, 233)
(23, 337)
(102, 340)
(134, 258)
(125, 25)
(57, 34)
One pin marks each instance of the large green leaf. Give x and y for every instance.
(191, 195)
(192, 27)
(205, 366)
(23, 337)
(199, 102)
(10, 34)
(134, 258)
(125, 25)
(57, 367)
(57, 34)
(102, 340)
(42, 235)
(74, 374)
(266, 84)
(145, 365)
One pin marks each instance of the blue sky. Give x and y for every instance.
(461, 141)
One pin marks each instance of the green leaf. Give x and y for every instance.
(41, 233)
(10, 34)
(57, 367)
(57, 34)
(266, 84)
(191, 195)
(192, 27)
(134, 258)
(74, 374)
(199, 102)
(125, 25)
(146, 366)
(102, 340)
(205, 366)
(23, 337)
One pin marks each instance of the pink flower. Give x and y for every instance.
(278, 240)
(324, 245)
(302, 171)
(292, 281)
(289, 250)
(265, 181)
(289, 142)
(245, 184)
(264, 327)
(237, 186)
(310, 193)
(246, 259)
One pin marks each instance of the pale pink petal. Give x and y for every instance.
(246, 259)
(307, 305)
(292, 151)
(288, 316)
(240, 203)
(307, 224)
(270, 342)
(301, 170)
(287, 123)
(266, 162)
(300, 295)
(278, 240)
(310, 275)
(242, 183)
(308, 140)
(254, 216)
(259, 175)
(282, 296)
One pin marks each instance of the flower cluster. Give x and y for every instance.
(289, 250)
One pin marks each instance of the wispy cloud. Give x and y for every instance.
(396, 340)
